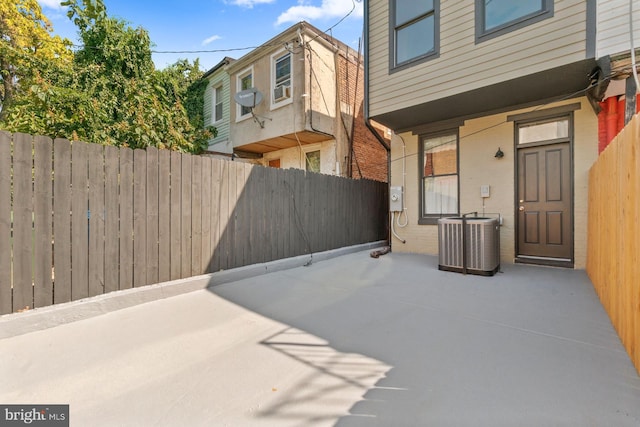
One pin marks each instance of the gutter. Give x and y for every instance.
(367, 118)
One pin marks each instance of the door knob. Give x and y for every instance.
(521, 208)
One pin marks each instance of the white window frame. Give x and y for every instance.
(308, 149)
(241, 75)
(214, 103)
(274, 59)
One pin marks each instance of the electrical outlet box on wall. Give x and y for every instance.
(395, 199)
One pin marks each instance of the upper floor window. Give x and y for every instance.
(496, 17)
(439, 177)
(414, 31)
(244, 81)
(217, 104)
(281, 77)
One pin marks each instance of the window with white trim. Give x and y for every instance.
(281, 77)
(244, 81)
(217, 104)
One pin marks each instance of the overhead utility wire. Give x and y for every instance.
(326, 32)
(564, 98)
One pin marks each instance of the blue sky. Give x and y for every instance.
(190, 25)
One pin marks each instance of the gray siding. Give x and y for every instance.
(464, 65)
(613, 27)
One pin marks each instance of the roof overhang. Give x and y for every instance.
(568, 81)
(284, 141)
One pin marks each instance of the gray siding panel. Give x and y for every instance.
(613, 27)
(464, 65)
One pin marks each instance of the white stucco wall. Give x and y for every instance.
(294, 157)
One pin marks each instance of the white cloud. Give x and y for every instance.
(248, 3)
(328, 9)
(50, 4)
(210, 40)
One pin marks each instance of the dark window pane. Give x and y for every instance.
(500, 12)
(406, 10)
(246, 83)
(313, 161)
(218, 104)
(283, 69)
(415, 40)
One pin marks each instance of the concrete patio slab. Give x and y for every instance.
(349, 341)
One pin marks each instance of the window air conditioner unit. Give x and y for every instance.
(281, 92)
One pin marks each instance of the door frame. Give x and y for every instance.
(564, 112)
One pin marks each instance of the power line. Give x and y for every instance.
(564, 98)
(234, 49)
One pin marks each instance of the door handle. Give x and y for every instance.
(521, 208)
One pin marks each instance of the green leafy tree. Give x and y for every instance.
(111, 93)
(26, 46)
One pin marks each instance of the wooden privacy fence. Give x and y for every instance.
(78, 220)
(613, 257)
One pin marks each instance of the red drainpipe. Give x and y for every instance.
(612, 119)
(602, 127)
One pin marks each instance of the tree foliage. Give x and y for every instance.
(26, 45)
(110, 93)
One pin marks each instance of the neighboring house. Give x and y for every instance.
(217, 106)
(494, 93)
(310, 89)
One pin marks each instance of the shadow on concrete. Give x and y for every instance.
(530, 346)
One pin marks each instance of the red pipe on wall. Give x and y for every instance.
(611, 119)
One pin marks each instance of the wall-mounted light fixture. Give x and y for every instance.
(499, 154)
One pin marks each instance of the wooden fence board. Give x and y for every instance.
(290, 230)
(111, 220)
(185, 222)
(126, 218)
(239, 217)
(79, 222)
(231, 225)
(152, 221)
(22, 222)
(270, 192)
(216, 195)
(175, 199)
(257, 195)
(206, 215)
(96, 219)
(223, 246)
(5, 223)
(61, 221)
(613, 245)
(43, 228)
(139, 218)
(164, 215)
(196, 215)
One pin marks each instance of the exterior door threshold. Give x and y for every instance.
(538, 260)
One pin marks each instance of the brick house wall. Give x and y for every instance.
(366, 157)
